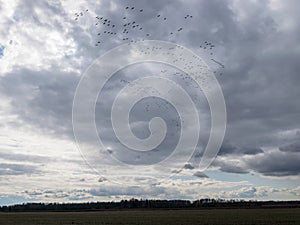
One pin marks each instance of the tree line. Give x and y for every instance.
(147, 204)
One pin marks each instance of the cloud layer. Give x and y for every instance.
(44, 51)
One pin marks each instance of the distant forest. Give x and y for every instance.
(148, 204)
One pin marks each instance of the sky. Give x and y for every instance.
(47, 48)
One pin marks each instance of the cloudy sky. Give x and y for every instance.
(47, 46)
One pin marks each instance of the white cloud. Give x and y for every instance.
(39, 40)
(46, 50)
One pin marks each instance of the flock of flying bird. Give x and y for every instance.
(124, 29)
(194, 65)
(130, 30)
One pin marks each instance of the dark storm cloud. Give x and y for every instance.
(260, 85)
(227, 149)
(188, 166)
(275, 164)
(272, 163)
(257, 44)
(229, 166)
(42, 98)
(261, 75)
(200, 174)
(261, 94)
(293, 147)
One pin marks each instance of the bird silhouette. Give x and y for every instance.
(134, 30)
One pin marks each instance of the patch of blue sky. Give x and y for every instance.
(1, 50)
(11, 199)
(255, 180)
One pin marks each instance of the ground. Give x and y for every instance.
(162, 217)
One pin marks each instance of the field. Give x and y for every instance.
(161, 217)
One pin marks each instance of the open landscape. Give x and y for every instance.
(161, 112)
(281, 216)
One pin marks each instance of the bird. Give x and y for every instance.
(123, 31)
(219, 63)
